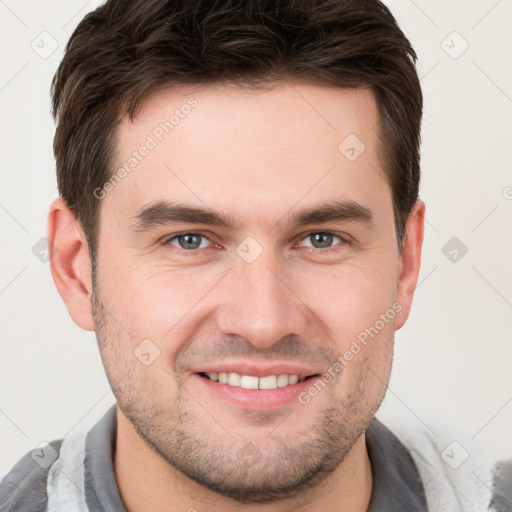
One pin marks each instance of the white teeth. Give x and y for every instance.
(249, 382)
(234, 379)
(268, 382)
(253, 382)
(282, 381)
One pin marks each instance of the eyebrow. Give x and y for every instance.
(163, 212)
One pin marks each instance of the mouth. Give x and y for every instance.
(248, 385)
(267, 382)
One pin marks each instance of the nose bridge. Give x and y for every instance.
(259, 304)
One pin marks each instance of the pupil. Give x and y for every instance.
(323, 239)
(190, 241)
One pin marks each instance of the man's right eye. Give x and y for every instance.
(189, 241)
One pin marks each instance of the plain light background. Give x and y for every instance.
(452, 359)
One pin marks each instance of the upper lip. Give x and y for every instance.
(257, 370)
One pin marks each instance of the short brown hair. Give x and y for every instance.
(127, 48)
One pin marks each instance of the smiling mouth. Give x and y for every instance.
(253, 382)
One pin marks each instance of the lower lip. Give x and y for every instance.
(257, 399)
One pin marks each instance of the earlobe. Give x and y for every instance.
(70, 263)
(410, 260)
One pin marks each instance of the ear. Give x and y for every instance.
(409, 264)
(70, 263)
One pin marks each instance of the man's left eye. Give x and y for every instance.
(322, 240)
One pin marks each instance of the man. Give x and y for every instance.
(239, 223)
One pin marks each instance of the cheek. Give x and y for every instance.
(357, 308)
(159, 303)
(351, 300)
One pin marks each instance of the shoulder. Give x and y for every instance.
(25, 486)
(457, 472)
(65, 474)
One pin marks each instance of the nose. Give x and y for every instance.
(260, 304)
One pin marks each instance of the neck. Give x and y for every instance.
(147, 482)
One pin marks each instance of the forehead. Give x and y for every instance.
(249, 150)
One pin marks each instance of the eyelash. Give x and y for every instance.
(195, 252)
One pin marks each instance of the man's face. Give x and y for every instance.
(265, 296)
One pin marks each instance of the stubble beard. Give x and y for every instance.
(258, 469)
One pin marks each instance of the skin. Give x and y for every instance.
(258, 156)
